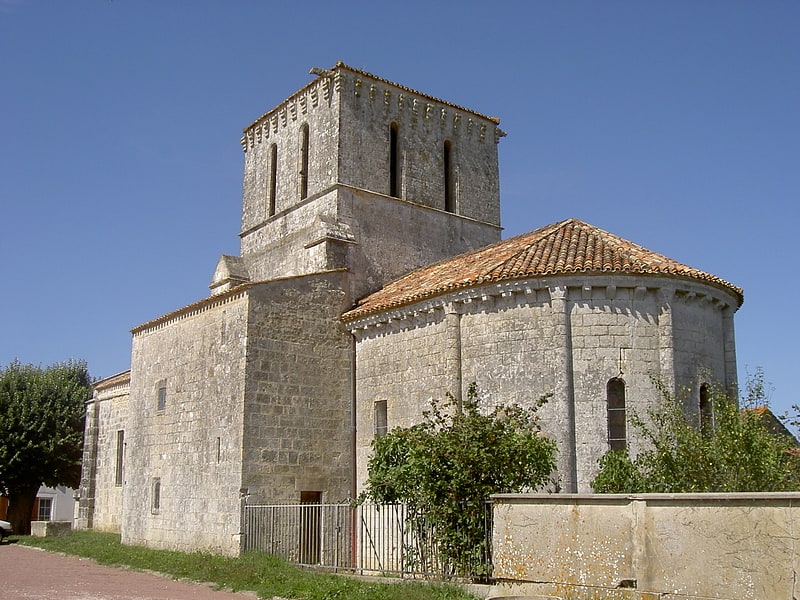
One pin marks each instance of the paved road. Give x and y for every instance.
(32, 573)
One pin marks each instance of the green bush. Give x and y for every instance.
(738, 452)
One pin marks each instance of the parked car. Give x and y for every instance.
(5, 529)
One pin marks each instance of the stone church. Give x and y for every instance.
(372, 277)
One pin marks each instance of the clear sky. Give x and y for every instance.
(675, 125)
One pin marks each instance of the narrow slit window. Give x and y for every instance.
(615, 399)
(304, 161)
(449, 201)
(120, 456)
(381, 420)
(156, 495)
(706, 411)
(394, 180)
(161, 395)
(273, 180)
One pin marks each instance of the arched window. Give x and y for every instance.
(706, 410)
(394, 180)
(272, 188)
(304, 161)
(449, 200)
(615, 400)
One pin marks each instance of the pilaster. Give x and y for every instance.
(564, 387)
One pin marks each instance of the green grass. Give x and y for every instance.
(266, 575)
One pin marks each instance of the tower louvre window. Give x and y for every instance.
(615, 400)
(273, 179)
(304, 161)
(449, 201)
(394, 182)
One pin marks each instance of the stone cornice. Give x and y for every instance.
(194, 309)
(114, 381)
(211, 302)
(355, 190)
(507, 294)
(375, 89)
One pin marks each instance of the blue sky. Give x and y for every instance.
(675, 125)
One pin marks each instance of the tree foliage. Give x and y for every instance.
(41, 431)
(738, 453)
(446, 467)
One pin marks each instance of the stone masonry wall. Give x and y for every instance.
(113, 416)
(368, 108)
(100, 503)
(403, 364)
(316, 106)
(192, 446)
(298, 408)
(519, 340)
(665, 546)
(347, 219)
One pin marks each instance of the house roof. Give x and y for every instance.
(567, 248)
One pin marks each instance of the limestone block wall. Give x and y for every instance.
(370, 105)
(725, 546)
(314, 106)
(403, 364)
(566, 336)
(298, 408)
(182, 490)
(377, 237)
(394, 237)
(285, 245)
(100, 491)
(113, 415)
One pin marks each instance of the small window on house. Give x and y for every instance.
(304, 161)
(44, 511)
(272, 188)
(155, 504)
(615, 406)
(381, 421)
(706, 410)
(161, 395)
(449, 201)
(394, 180)
(120, 456)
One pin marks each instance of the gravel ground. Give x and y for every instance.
(32, 573)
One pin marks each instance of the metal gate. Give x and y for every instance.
(375, 538)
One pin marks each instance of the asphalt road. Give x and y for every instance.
(32, 573)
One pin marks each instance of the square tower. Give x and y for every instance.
(355, 172)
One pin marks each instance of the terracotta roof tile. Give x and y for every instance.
(568, 247)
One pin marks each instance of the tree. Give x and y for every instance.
(446, 467)
(737, 453)
(41, 432)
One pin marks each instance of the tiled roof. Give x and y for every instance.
(114, 380)
(565, 248)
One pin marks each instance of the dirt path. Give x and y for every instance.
(33, 573)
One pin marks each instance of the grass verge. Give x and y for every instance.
(263, 574)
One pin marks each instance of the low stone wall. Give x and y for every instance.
(50, 528)
(650, 546)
